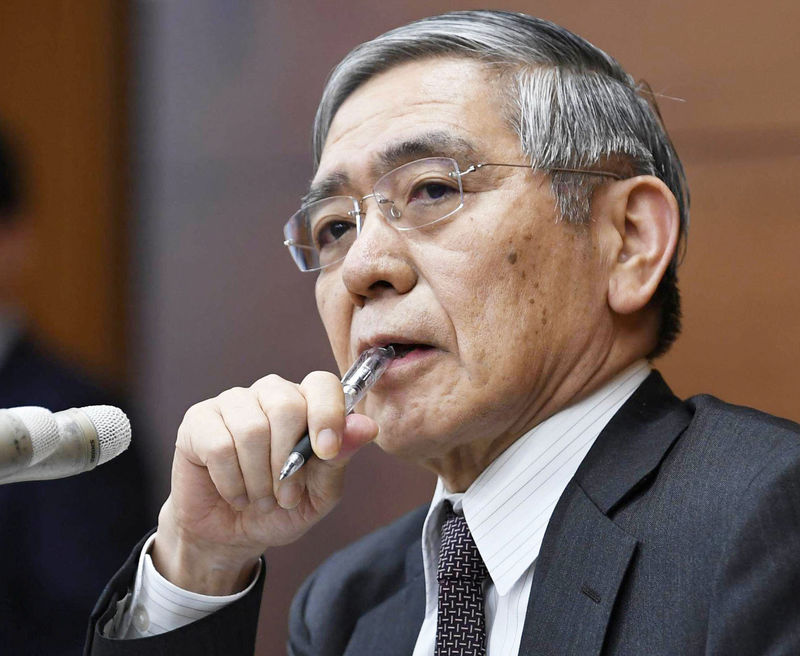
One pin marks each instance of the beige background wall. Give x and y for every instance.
(220, 103)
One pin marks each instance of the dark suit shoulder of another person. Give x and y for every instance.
(63, 538)
(32, 375)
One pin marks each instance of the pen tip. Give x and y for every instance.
(292, 464)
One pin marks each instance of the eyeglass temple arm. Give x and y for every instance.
(474, 167)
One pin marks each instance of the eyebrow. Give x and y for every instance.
(330, 185)
(431, 144)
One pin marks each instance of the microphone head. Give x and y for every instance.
(42, 429)
(113, 430)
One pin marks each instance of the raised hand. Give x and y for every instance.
(226, 505)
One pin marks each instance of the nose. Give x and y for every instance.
(379, 261)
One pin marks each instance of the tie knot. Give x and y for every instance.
(459, 557)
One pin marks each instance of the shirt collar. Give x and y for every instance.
(508, 506)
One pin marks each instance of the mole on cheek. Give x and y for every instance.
(512, 257)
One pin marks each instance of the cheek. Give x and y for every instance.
(335, 311)
(503, 283)
(491, 297)
(509, 298)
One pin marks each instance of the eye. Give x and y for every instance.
(330, 230)
(432, 191)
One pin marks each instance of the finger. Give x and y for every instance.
(285, 408)
(250, 429)
(205, 440)
(326, 412)
(325, 478)
(359, 430)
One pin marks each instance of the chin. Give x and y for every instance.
(415, 446)
(395, 444)
(407, 446)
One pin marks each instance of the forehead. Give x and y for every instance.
(436, 106)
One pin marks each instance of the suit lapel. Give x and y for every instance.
(392, 627)
(583, 559)
(585, 555)
(630, 448)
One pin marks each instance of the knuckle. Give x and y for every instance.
(194, 410)
(275, 394)
(251, 433)
(270, 381)
(192, 421)
(220, 452)
(234, 393)
(283, 403)
(319, 378)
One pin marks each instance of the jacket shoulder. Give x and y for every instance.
(744, 431)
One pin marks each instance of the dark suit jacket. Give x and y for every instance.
(61, 539)
(679, 535)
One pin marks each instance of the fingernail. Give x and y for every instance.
(288, 495)
(240, 503)
(327, 443)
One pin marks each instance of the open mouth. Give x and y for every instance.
(402, 350)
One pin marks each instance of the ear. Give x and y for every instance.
(645, 223)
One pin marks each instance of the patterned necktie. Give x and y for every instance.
(460, 623)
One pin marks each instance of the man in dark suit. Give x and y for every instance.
(62, 539)
(495, 199)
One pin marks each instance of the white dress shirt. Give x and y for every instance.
(508, 506)
(507, 509)
(156, 606)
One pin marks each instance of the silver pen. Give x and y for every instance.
(364, 373)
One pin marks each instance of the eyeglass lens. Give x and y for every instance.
(411, 196)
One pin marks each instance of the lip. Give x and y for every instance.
(387, 338)
(412, 357)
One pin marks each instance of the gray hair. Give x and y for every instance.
(572, 105)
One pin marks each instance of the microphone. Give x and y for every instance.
(37, 445)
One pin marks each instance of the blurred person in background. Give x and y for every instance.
(498, 200)
(63, 538)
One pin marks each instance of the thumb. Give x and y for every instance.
(358, 431)
(325, 477)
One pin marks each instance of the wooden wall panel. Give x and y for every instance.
(741, 285)
(61, 93)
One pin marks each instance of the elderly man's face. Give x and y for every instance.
(502, 303)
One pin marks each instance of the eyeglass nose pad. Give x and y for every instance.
(382, 200)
